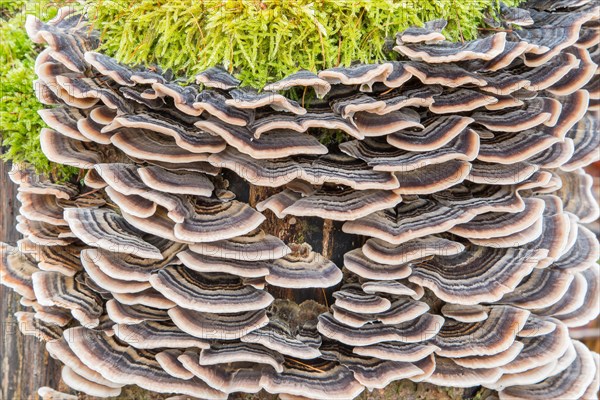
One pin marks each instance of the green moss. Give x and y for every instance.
(264, 40)
(20, 124)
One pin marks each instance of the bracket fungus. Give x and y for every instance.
(179, 262)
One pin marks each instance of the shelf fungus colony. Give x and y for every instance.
(458, 183)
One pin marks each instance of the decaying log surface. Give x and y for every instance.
(25, 364)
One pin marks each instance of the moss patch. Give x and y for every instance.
(20, 124)
(261, 41)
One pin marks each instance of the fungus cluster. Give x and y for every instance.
(460, 165)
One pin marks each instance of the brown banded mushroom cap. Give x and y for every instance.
(249, 99)
(56, 289)
(216, 77)
(445, 275)
(446, 52)
(301, 78)
(464, 313)
(149, 298)
(156, 334)
(353, 298)
(277, 143)
(123, 364)
(187, 137)
(342, 203)
(133, 204)
(460, 339)
(210, 326)
(303, 268)
(423, 328)
(449, 373)
(16, 271)
(493, 361)
(255, 246)
(222, 353)
(133, 314)
(409, 220)
(365, 75)
(64, 150)
(82, 384)
(571, 383)
(168, 360)
(107, 230)
(385, 253)
(240, 267)
(208, 292)
(437, 132)
(105, 281)
(63, 120)
(356, 262)
(430, 32)
(176, 182)
(277, 336)
(219, 221)
(400, 311)
(396, 351)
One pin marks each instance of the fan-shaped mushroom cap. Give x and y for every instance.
(365, 75)
(133, 314)
(413, 218)
(44, 234)
(277, 336)
(176, 182)
(16, 270)
(208, 292)
(356, 262)
(156, 334)
(594, 387)
(488, 337)
(64, 120)
(449, 373)
(149, 297)
(150, 145)
(353, 298)
(105, 281)
(576, 194)
(301, 78)
(464, 313)
(449, 75)
(107, 230)
(240, 267)
(168, 360)
(493, 361)
(335, 382)
(30, 326)
(543, 287)
(369, 371)
(437, 133)
(385, 253)
(585, 140)
(255, 246)
(81, 384)
(63, 259)
(342, 203)
(228, 326)
(388, 287)
(297, 123)
(571, 383)
(303, 268)
(133, 204)
(55, 289)
(584, 252)
(396, 351)
(227, 378)
(537, 326)
(576, 78)
(460, 100)
(447, 52)
(64, 150)
(123, 364)
(445, 275)
(216, 77)
(277, 143)
(539, 350)
(222, 353)
(47, 393)
(381, 156)
(573, 299)
(187, 137)
(41, 207)
(423, 328)
(247, 98)
(541, 110)
(220, 221)
(591, 302)
(400, 311)
(430, 32)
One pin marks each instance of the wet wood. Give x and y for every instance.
(25, 365)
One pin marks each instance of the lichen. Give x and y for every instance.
(20, 123)
(261, 41)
